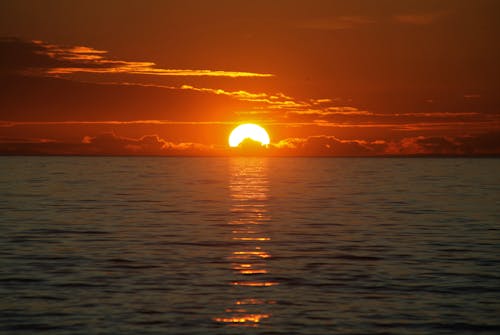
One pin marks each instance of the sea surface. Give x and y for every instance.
(117, 245)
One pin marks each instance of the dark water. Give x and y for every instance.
(249, 246)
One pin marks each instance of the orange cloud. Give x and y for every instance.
(336, 23)
(419, 18)
(337, 110)
(271, 102)
(88, 60)
(5, 124)
(279, 100)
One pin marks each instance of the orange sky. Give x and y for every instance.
(329, 78)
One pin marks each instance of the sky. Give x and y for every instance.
(324, 78)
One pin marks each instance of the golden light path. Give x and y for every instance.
(249, 260)
(248, 130)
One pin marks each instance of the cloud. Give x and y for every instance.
(350, 117)
(327, 146)
(105, 144)
(14, 140)
(277, 100)
(112, 144)
(17, 56)
(329, 111)
(404, 123)
(336, 23)
(487, 143)
(90, 60)
(41, 58)
(424, 146)
(5, 124)
(419, 18)
(480, 144)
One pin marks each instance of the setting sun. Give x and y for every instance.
(251, 131)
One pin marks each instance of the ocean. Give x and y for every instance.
(241, 245)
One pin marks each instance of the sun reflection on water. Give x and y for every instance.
(249, 194)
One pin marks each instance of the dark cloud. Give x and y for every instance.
(104, 144)
(474, 145)
(327, 146)
(480, 144)
(17, 55)
(324, 146)
(20, 146)
(112, 144)
(423, 146)
(485, 143)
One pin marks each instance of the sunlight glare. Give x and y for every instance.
(251, 131)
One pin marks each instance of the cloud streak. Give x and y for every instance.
(419, 19)
(276, 101)
(6, 124)
(336, 23)
(83, 59)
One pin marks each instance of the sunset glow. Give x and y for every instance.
(83, 93)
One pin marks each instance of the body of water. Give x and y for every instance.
(97, 245)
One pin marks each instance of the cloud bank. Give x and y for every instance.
(312, 146)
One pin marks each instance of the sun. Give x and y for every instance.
(248, 130)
